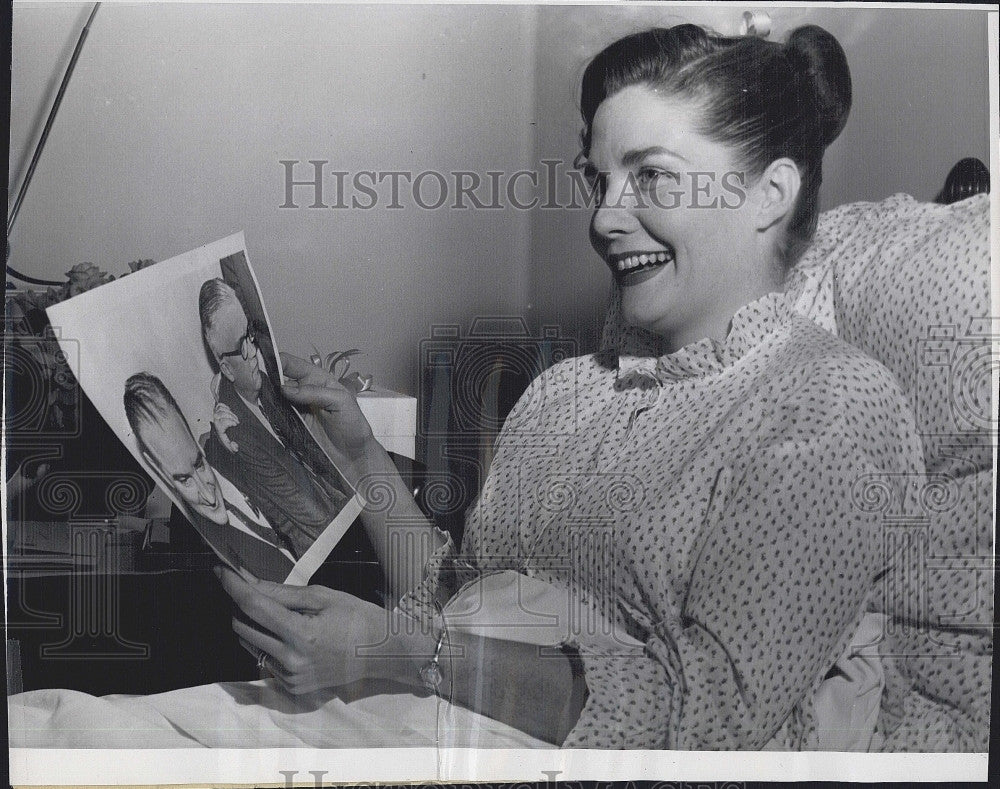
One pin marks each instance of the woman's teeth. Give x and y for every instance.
(633, 262)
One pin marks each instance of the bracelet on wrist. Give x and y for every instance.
(430, 672)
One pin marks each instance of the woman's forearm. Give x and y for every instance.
(400, 533)
(538, 690)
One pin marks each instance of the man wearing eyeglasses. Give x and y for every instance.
(258, 441)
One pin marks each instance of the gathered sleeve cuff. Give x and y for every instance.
(445, 571)
(423, 602)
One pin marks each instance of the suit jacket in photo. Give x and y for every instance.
(283, 479)
(242, 550)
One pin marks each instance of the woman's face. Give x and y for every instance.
(675, 224)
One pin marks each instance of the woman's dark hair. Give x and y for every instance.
(766, 100)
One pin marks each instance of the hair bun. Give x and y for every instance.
(822, 64)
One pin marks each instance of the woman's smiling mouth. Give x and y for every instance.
(628, 266)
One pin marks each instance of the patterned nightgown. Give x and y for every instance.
(713, 504)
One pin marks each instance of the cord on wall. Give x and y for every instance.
(38, 152)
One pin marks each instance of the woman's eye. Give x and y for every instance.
(650, 177)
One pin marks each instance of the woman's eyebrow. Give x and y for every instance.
(632, 158)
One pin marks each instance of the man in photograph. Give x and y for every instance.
(258, 440)
(211, 503)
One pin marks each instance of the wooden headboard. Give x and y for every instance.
(967, 178)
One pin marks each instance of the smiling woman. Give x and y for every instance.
(686, 271)
(678, 119)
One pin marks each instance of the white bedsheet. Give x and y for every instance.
(261, 715)
(382, 714)
(253, 715)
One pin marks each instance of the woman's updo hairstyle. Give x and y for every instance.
(764, 99)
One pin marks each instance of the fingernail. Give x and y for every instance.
(218, 571)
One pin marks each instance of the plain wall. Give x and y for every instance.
(172, 129)
(174, 124)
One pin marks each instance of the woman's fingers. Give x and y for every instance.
(255, 651)
(334, 409)
(274, 664)
(277, 671)
(332, 398)
(305, 599)
(295, 367)
(261, 608)
(259, 642)
(303, 371)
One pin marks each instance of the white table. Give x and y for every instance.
(393, 417)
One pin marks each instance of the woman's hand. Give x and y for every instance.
(314, 637)
(332, 406)
(310, 634)
(223, 418)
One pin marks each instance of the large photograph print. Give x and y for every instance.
(180, 360)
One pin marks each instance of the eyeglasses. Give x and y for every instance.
(244, 348)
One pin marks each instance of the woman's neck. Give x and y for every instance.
(717, 323)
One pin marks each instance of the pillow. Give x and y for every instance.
(909, 284)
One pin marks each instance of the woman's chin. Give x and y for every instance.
(642, 321)
(641, 315)
(643, 296)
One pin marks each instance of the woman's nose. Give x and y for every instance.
(615, 214)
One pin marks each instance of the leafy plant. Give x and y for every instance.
(338, 364)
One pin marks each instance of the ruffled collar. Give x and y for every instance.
(641, 354)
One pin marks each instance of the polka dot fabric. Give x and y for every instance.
(910, 286)
(703, 501)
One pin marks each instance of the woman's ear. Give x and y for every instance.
(779, 187)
